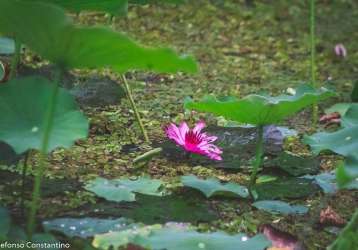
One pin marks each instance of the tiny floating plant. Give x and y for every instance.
(259, 110)
(193, 140)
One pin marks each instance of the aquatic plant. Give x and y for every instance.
(48, 31)
(259, 110)
(193, 140)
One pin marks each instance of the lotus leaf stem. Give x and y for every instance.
(134, 107)
(47, 125)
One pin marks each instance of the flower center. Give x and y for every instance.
(192, 138)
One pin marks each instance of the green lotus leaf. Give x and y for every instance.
(50, 33)
(347, 238)
(23, 108)
(179, 238)
(350, 118)
(86, 227)
(213, 187)
(275, 207)
(124, 189)
(114, 7)
(343, 142)
(284, 188)
(340, 108)
(347, 172)
(119, 239)
(260, 109)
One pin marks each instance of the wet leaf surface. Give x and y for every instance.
(178, 238)
(86, 227)
(124, 189)
(295, 165)
(280, 207)
(150, 209)
(212, 187)
(286, 188)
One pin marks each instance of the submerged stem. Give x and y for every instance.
(48, 124)
(134, 107)
(258, 158)
(313, 58)
(15, 59)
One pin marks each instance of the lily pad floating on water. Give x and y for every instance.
(187, 207)
(158, 237)
(124, 189)
(340, 108)
(280, 207)
(86, 227)
(295, 165)
(213, 187)
(343, 142)
(347, 173)
(22, 115)
(327, 182)
(286, 188)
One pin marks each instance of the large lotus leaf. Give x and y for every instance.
(347, 172)
(350, 118)
(185, 207)
(260, 109)
(295, 165)
(124, 189)
(344, 141)
(213, 187)
(170, 238)
(5, 222)
(49, 32)
(23, 107)
(173, 239)
(280, 207)
(347, 238)
(114, 240)
(286, 188)
(86, 227)
(114, 7)
(326, 181)
(340, 108)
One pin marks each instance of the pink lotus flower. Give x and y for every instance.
(193, 140)
(340, 50)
